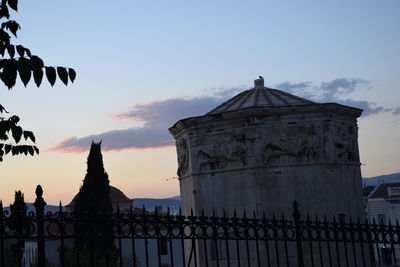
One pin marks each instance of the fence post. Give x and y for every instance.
(299, 243)
(39, 205)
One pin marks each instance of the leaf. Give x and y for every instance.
(4, 37)
(31, 151)
(28, 52)
(51, 75)
(14, 119)
(17, 133)
(24, 70)
(72, 74)
(20, 50)
(36, 149)
(7, 148)
(36, 62)
(2, 109)
(2, 49)
(63, 74)
(4, 11)
(30, 135)
(9, 75)
(14, 150)
(13, 4)
(11, 50)
(12, 26)
(38, 76)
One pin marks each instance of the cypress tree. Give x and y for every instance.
(93, 207)
(94, 193)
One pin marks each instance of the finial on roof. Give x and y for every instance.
(259, 82)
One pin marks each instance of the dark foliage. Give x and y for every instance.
(94, 202)
(18, 219)
(18, 222)
(17, 60)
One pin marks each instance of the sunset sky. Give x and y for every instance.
(143, 65)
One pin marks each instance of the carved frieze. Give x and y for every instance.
(183, 157)
(292, 150)
(223, 153)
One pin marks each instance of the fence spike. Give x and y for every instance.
(202, 212)
(254, 214)
(191, 212)
(156, 211)
(214, 213)
(180, 211)
(143, 210)
(234, 213)
(60, 207)
(273, 215)
(244, 213)
(390, 223)
(168, 212)
(1, 205)
(130, 210)
(325, 219)
(308, 217)
(316, 218)
(397, 223)
(264, 216)
(283, 216)
(223, 212)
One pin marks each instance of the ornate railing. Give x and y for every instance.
(132, 238)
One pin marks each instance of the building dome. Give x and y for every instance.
(260, 96)
(117, 197)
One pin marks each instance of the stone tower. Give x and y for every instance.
(265, 148)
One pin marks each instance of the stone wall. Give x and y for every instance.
(262, 161)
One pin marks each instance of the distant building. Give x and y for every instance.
(118, 199)
(383, 203)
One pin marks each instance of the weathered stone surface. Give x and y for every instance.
(263, 157)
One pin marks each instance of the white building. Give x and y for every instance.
(383, 203)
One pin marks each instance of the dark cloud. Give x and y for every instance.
(337, 91)
(133, 138)
(156, 117)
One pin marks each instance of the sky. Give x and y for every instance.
(143, 65)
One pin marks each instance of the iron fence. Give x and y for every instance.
(132, 238)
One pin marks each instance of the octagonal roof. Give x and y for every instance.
(260, 96)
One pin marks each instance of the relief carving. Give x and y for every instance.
(183, 158)
(344, 150)
(301, 149)
(222, 154)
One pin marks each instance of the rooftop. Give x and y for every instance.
(386, 191)
(260, 96)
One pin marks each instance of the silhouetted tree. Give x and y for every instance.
(18, 222)
(94, 193)
(93, 206)
(18, 60)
